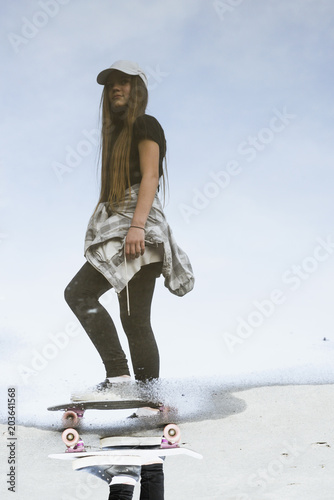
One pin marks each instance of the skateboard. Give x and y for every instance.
(74, 413)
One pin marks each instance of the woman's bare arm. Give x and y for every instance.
(149, 167)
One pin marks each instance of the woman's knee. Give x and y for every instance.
(86, 286)
(73, 294)
(68, 294)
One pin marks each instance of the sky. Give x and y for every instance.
(243, 90)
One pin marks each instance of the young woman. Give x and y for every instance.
(128, 242)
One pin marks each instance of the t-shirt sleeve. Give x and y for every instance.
(148, 127)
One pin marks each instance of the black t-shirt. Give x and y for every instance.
(145, 127)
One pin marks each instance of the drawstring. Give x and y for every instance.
(127, 283)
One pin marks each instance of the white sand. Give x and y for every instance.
(279, 448)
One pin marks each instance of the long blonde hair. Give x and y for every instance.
(115, 154)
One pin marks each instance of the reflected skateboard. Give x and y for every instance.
(74, 412)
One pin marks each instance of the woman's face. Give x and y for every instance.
(119, 87)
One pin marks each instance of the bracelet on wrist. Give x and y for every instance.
(138, 227)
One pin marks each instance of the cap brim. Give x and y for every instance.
(103, 76)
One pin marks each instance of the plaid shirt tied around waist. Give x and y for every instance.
(107, 225)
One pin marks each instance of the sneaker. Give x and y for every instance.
(113, 474)
(145, 411)
(104, 391)
(103, 386)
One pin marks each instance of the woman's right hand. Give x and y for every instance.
(135, 243)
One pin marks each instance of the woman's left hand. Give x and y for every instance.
(135, 243)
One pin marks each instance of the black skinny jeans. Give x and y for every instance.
(82, 296)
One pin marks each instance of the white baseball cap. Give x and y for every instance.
(128, 67)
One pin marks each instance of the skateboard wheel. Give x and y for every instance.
(172, 433)
(70, 437)
(70, 419)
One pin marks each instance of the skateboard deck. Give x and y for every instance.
(104, 405)
(140, 456)
(74, 411)
(132, 441)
